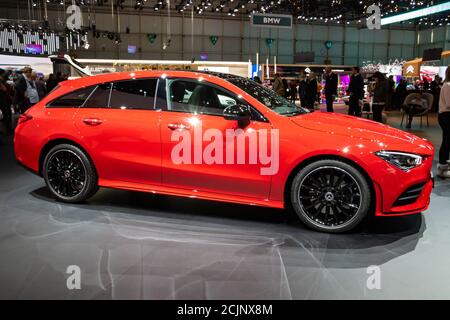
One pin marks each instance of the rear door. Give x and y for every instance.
(121, 127)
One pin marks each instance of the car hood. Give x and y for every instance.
(353, 127)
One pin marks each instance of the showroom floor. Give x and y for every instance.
(131, 245)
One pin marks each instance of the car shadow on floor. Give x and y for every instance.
(374, 243)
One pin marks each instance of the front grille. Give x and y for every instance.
(410, 195)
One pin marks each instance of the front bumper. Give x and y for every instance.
(412, 198)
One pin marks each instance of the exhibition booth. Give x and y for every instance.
(68, 65)
(426, 69)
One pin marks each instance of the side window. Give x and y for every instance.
(72, 100)
(197, 97)
(133, 94)
(100, 97)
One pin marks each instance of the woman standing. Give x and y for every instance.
(444, 122)
(380, 93)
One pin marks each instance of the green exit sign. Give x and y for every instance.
(271, 20)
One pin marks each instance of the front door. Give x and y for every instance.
(204, 152)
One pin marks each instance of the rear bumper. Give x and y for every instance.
(25, 153)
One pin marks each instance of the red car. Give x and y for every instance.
(191, 134)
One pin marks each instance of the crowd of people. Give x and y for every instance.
(384, 93)
(20, 90)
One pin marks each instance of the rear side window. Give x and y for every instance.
(100, 97)
(134, 94)
(74, 99)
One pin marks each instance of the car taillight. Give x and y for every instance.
(24, 118)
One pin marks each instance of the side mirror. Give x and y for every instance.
(237, 112)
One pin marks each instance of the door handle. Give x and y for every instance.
(92, 121)
(178, 126)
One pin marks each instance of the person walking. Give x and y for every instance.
(380, 93)
(331, 84)
(444, 122)
(278, 86)
(356, 92)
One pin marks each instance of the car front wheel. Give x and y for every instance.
(69, 174)
(330, 196)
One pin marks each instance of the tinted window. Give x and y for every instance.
(197, 97)
(72, 100)
(267, 97)
(134, 94)
(100, 97)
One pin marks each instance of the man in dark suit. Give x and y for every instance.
(311, 91)
(331, 84)
(356, 92)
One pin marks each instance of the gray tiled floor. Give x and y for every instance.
(139, 246)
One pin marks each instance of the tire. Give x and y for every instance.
(69, 174)
(331, 205)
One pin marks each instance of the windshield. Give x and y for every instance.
(268, 97)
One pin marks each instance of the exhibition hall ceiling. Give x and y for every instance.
(303, 10)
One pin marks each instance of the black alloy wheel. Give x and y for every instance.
(69, 174)
(330, 196)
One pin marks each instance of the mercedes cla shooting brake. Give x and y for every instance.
(225, 138)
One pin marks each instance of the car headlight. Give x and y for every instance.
(402, 160)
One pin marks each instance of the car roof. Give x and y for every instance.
(117, 76)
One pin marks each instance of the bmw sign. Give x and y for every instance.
(271, 20)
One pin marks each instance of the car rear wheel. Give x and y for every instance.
(69, 174)
(330, 196)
